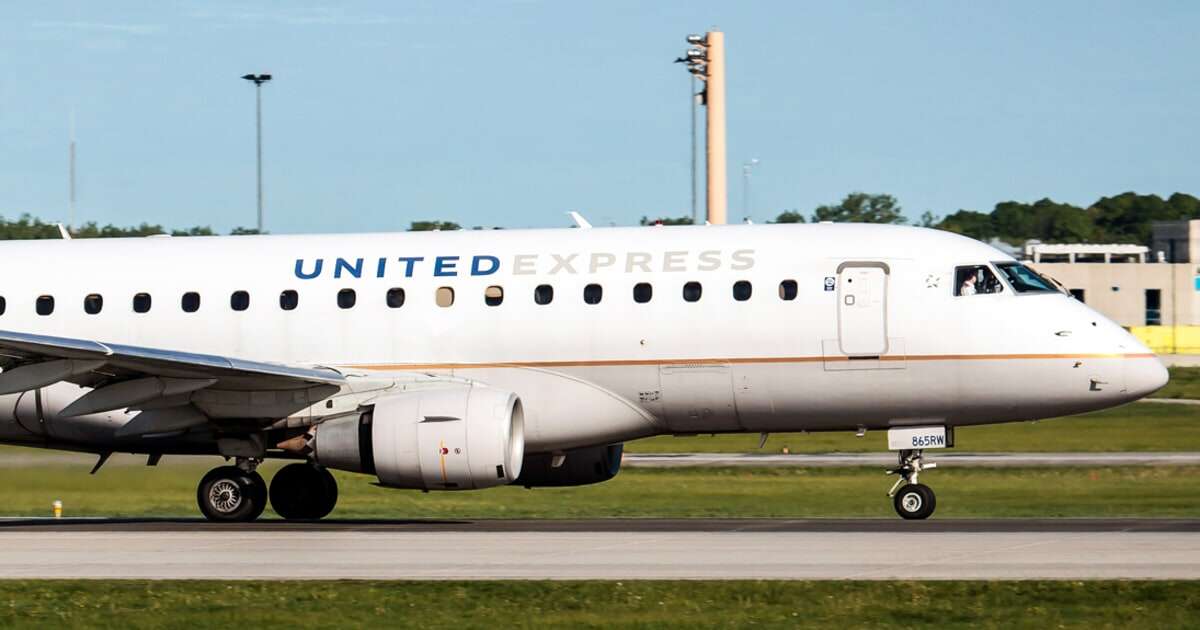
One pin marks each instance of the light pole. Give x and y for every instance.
(706, 61)
(259, 80)
(746, 168)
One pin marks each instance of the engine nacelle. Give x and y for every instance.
(580, 467)
(456, 438)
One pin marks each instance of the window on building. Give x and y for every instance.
(592, 294)
(395, 297)
(346, 298)
(742, 290)
(543, 294)
(1153, 307)
(642, 292)
(190, 302)
(493, 295)
(239, 300)
(444, 297)
(45, 304)
(975, 280)
(141, 303)
(92, 303)
(1077, 294)
(289, 300)
(788, 290)
(692, 292)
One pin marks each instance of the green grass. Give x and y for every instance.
(1134, 427)
(1184, 383)
(593, 604)
(169, 490)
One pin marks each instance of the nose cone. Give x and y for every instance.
(1144, 376)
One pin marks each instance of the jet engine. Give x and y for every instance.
(455, 438)
(578, 467)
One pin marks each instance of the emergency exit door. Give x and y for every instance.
(862, 308)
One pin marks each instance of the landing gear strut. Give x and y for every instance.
(232, 493)
(303, 491)
(912, 500)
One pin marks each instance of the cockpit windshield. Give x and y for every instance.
(1025, 280)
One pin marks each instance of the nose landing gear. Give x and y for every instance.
(912, 500)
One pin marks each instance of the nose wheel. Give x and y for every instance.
(912, 500)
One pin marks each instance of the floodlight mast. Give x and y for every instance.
(259, 80)
(706, 61)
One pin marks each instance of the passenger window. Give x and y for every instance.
(444, 297)
(141, 303)
(692, 291)
(45, 304)
(93, 303)
(642, 292)
(289, 300)
(346, 298)
(742, 290)
(3, 305)
(395, 298)
(543, 294)
(239, 300)
(592, 294)
(493, 296)
(190, 302)
(975, 279)
(787, 290)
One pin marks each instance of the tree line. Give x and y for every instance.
(1123, 218)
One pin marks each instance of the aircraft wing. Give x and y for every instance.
(180, 387)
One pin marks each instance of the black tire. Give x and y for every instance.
(303, 492)
(231, 495)
(915, 502)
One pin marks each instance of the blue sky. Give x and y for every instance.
(512, 112)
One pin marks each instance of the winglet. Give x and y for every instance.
(62, 231)
(100, 462)
(580, 222)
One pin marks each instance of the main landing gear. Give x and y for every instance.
(912, 500)
(239, 494)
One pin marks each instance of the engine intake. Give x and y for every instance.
(456, 438)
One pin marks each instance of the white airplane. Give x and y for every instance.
(472, 359)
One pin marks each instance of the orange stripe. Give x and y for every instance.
(735, 360)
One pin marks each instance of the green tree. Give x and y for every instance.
(429, 226)
(789, 216)
(668, 221)
(977, 225)
(861, 208)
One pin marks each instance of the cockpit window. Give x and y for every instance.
(975, 279)
(1025, 280)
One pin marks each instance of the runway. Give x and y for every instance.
(605, 549)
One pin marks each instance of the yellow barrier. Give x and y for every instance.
(1169, 339)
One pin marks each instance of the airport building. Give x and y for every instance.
(1153, 291)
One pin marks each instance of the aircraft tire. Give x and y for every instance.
(303, 492)
(915, 501)
(229, 494)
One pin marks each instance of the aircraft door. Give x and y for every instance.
(862, 308)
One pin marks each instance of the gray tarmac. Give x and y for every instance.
(870, 549)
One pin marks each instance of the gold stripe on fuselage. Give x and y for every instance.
(737, 361)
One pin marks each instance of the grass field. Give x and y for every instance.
(1184, 383)
(670, 604)
(1133, 427)
(169, 490)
